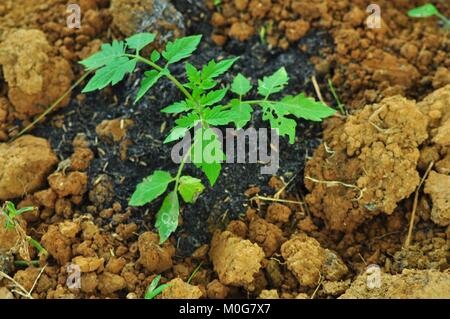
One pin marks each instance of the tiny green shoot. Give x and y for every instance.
(153, 289)
(203, 106)
(340, 105)
(195, 272)
(426, 11)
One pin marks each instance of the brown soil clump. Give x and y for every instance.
(179, 289)
(367, 165)
(35, 76)
(411, 284)
(235, 260)
(24, 166)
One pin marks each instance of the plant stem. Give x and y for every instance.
(180, 168)
(37, 245)
(443, 18)
(168, 75)
(24, 263)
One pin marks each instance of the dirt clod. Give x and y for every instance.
(235, 260)
(35, 76)
(153, 257)
(367, 165)
(24, 166)
(179, 289)
(411, 284)
(308, 260)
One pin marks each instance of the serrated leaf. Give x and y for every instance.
(188, 121)
(150, 188)
(217, 117)
(242, 113)
(111, 73)
(285, 126)
(155, 56)
(241, 85)
(181, 48)
(177, 107)
(274, 83)
(213, 69)
(167, 216)
(190, 188)
(151, 79)
(213, 97)
(304, 107)
(176, 134)
(427, 10)
(140, 40)
(192, 73)
(107, 54)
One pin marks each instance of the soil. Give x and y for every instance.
(344, 194)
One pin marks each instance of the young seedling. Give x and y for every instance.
(202, 108)
(429, 10)
(11, 213)
(154, 290)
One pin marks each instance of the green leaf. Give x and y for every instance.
(176, 134)
(216, 116)
(140, 40)
(193, 75)
(151, 79)
(155, 56)
(213, 69)
(156, 292)
(424, 11)
(181, 48)
(285, 126)
(188, 121)
(111, 73)
(152, 187)
(213, 97)
(304, 107)
(190, 188)
(212, 171)
(242, 112)
(167, 216)
(153, 285)
(241, 85)
(274, 83)
(177, 107)
(107, 54)
(24, 210)
(207, 153)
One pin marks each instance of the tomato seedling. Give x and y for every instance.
(202, 108)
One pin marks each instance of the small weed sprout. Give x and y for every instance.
(202, 108)
(154, 290)
(428, 10)
(11, 213)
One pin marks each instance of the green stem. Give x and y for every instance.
(37, 245)
(443, 18)
(168, 75)
(181, 167)
(24, 263)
